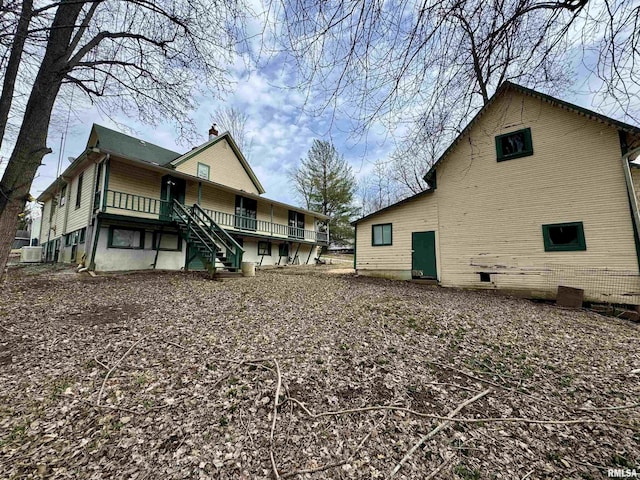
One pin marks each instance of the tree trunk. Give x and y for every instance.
(9, 84)
(31, 144)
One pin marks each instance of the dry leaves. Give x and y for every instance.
(168, 375)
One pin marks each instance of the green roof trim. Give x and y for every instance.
(243, 161)
(621, 126)
(126, 146)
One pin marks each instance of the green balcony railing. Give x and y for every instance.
(266, 228)
(162, 208)
(135, 203)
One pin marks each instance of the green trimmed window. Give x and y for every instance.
(514, 145)
(283, 250)
(264, 248)
(168, 242)
(381, 235)
(564, 237)
(79, 191)
(203, 171)
(121, 237)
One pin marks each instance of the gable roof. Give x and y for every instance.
(393, 205)
(506, 86)
(243, 161)
(119, 144)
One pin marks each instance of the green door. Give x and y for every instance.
(171, 189)
(423, 258)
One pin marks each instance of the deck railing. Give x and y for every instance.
(250, 224)
(155, 206)
(134, 203)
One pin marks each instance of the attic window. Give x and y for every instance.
(514, 145)
(564, 237)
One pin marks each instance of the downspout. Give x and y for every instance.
(633, 200)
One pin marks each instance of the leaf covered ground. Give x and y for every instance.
(172, 375)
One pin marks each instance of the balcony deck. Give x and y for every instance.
(155, 208)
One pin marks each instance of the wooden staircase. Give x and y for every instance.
(217, 249)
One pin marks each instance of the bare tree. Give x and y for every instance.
(234, 121)
(430, 65)
(378, 189)
(143, 58)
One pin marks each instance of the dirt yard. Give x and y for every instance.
(171, 376)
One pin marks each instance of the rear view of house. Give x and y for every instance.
(126, 204)
(534, 193)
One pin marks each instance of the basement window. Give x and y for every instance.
(120, 237)
(381, 235)
(564, 237)
(514, 145)
(264, 248)
(485, 277)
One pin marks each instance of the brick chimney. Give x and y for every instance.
(213, 132)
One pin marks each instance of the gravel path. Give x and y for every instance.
(172, 375)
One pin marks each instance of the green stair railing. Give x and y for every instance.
(233, 250)
(207, 237)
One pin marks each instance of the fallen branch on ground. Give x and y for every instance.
(275, 418)
(437, 429)
(112, 369)
(328, 466)
(460, 420)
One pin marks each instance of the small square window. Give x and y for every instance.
(126, 238)
(514, 145)
(203, 171)
(381, 235)
(564, 237)
(264, 248)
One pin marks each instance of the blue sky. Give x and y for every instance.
(278, 131)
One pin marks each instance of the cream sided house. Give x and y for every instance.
(126, 204)
(534, 193)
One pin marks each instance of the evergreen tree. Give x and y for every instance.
(325, 181)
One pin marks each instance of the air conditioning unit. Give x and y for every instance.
(30, 254)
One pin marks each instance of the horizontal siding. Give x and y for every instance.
(224, 167)
(491, 213)
(419, 215)
(134, 180)
(79, 217)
